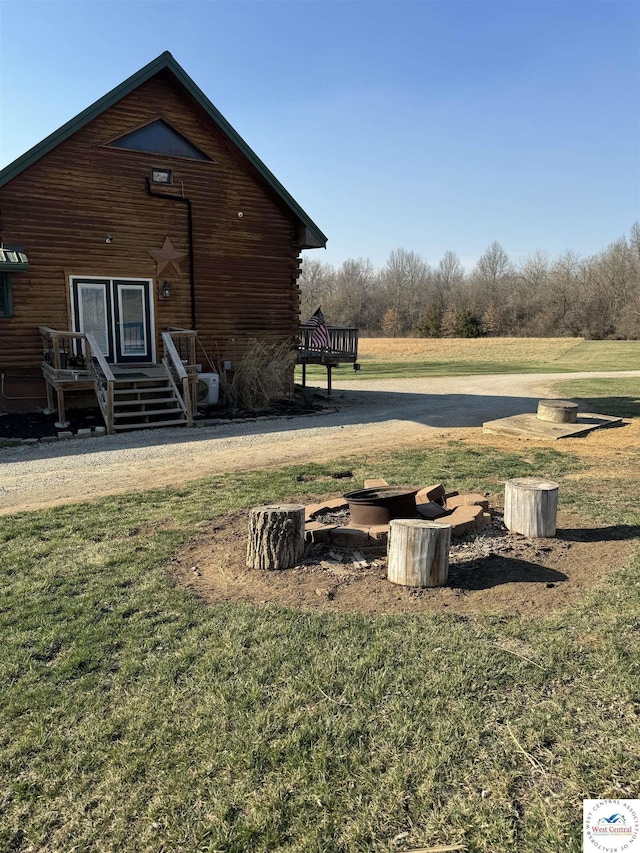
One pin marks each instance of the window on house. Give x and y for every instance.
(159, 138)
(6, 301)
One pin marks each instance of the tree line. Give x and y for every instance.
(594, 297)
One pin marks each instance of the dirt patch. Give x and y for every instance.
(493, 571)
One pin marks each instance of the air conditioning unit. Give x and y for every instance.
(207, 389)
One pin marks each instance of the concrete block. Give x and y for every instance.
(484, 520)
(99, 430)
(84, 433)
(336, 503)
(29, 441)
(65, 434)
(469, 499)
(10, 442)
(431, 510)
(312, 509)
(350, 537)
(47, 439)
(464, 519)
(322, 535)
(430, 494)
(317, 532)
(379, 533)
(375, 484)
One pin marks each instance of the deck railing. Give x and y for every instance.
(183, 383)
(184, 341)
(63, 350)
(343, 345)
(103, 380)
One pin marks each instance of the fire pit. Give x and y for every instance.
(378, 506)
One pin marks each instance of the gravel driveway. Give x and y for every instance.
(372, 416)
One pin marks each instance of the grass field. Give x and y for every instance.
(135, 717)
(393, 358)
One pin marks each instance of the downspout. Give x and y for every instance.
(192, 280)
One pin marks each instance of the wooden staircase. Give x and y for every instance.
(145, 400)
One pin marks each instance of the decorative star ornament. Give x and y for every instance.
(167, 256)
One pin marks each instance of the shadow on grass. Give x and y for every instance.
(600, 534)
(619, 407)
(494, 571)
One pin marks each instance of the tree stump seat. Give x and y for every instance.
(531, 506)
(418, 552)
(276, 536)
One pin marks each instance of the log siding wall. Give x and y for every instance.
(61, 209)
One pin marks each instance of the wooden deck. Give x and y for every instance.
(342, 349)
(130, 396)
(137, 395)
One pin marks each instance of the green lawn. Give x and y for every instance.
(414, 358)
(134, 717)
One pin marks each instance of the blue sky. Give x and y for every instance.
(424, 125)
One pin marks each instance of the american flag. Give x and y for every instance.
(320, 333)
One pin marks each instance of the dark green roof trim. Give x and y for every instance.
(162, 62)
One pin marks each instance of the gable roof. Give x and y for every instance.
(313, 236)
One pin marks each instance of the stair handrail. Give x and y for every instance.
(103, 380)
(178, 376)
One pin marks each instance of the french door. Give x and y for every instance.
(118, 312)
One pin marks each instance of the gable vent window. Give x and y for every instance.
(159, 138)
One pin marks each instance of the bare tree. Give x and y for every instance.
(354, 301)
(448, 277)
(317, 283)
(406, 280)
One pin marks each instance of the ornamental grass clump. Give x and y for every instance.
(263, 373)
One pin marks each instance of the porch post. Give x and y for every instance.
(61, 411)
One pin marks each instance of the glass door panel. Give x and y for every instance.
(131, 310)
(133, 338)
(93, 313)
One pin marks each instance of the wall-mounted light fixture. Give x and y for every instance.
(161, 176)
(108, 238)
(240, 214)
(166, 290)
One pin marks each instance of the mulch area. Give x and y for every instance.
(39, 425)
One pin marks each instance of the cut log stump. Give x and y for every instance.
(276, 536)
(418, 552)
(557, 411)
(531, 506)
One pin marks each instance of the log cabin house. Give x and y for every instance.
(140, 240)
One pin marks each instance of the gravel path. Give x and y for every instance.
(373, 415)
